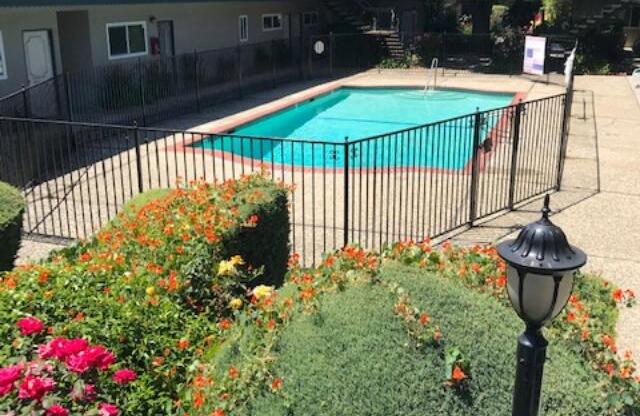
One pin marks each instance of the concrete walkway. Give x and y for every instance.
(599, 205)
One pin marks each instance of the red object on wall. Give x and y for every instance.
(155, 45)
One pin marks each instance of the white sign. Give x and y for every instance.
(3, 60)
(319, 47)
(534, 54)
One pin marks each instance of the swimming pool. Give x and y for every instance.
(352, 114)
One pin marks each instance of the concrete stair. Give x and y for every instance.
(353, 12)
(605, 18)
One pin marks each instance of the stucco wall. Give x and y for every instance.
(196, 26)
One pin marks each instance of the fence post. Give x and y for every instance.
(136, 138)
(331, 40)
(67, 88)
(515, 143)
(564, 139)
(25, 103)
(473, 202)
(346, 191)
(141, 91)
(196, 79)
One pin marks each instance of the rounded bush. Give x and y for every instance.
(12, 206)
(355, 358)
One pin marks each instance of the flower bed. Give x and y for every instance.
(414, 331)
(129, 314)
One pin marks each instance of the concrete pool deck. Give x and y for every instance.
(600, 201)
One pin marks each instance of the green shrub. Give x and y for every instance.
(353, 357)
(150, 287)
(12, 206)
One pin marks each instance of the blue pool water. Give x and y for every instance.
(359, 113)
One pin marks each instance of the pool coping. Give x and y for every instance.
(286, 102)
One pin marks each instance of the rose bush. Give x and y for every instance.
(145, 292)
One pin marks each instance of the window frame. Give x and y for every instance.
(4, 75)
(311, 13)
(129, 54)
(272, 15)
(245, 18)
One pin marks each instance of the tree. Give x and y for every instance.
(480, 11)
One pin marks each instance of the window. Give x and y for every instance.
(126, 40)
(310, 18)
(271, 22)
(3, 60)
(243, 22)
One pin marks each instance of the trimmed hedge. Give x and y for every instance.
(12, 206)
(353, 357)
(150, 287)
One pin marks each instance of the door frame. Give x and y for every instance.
(54, 67)
(173, 35)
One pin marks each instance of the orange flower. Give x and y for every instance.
(457, 375)
(437, 335)
(609, 343)
(233, 372)
(43, 277)
(618, 295)
(217, 412)
(307, 293)
(502, 281)
(276, 384)
(198, 399)
(625, 372)
(271, 324)
(462, 271)
(585, 335)
(571, 317)
(79, 317)
(424, 319)
(224, 324)
(183, 344)
(475, 267)
(200, 381)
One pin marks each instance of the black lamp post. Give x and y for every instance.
(540, 268)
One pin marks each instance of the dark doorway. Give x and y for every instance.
(75, 40)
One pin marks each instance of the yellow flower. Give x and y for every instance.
(226, 268)
(151, 291)
(237, 260)
(236, 303)
(262, 291)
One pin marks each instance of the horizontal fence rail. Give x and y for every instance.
(420, 182)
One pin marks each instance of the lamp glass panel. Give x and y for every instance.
(537, 294)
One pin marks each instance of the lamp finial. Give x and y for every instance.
(545, 209)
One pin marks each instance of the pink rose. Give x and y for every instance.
(124, 376)
(95, 356)
(61, 348)
(8, 377)
(29, 326)
(35, 388)
(57, 410)
(107, 409)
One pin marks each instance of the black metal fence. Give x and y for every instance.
(153, 89)
(409, 184)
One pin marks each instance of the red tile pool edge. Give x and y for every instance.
(186, 147)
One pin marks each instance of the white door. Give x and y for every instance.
(37, 52)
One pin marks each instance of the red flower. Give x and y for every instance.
(29, 326)
(106, 409)
(91, 357)
(57, 410)
(618, 295)
(8, 377)
(87, 395)
(124, 376)
(276, 384)
(224, 324)
(35, 388)
(424, 319)
(457, 374)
